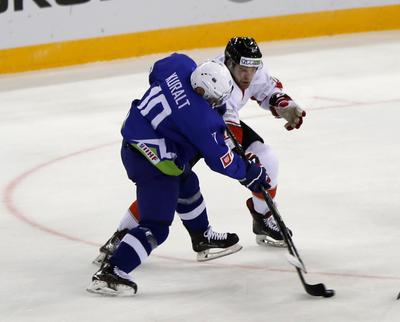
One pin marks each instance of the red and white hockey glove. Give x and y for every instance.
(281, 105)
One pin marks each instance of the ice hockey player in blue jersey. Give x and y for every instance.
(161, 134)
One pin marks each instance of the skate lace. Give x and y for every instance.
(210, 234)
(271, 223)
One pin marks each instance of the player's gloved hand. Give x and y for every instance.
(253, 158)
(281, 105)
(256, 175)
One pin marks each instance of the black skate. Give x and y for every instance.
(266, 230)
(109, 280)
(211, 245)
(109, 247)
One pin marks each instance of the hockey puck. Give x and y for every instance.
(329, 293)
(398, 296)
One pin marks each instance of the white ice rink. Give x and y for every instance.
(63, 191)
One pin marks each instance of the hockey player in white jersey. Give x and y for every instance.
(252, 80)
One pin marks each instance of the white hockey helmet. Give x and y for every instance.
(216, 81)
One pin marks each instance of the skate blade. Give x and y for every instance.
(266, 241)
(99, 259)
(102, 288)
(210, 254)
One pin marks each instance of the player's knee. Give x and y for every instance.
(156, 231)
(189, 185)
(268, 159)
(263, 151)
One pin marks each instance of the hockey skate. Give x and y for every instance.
(109, 247)
(211, 245)
(264, 226)
(109, 280)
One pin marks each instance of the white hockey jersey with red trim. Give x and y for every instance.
(261, 88)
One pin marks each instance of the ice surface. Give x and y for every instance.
(64, 189)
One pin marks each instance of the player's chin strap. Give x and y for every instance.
(293, 256)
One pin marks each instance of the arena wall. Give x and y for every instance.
(37, 34)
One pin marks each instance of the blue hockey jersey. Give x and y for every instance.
(171, 124)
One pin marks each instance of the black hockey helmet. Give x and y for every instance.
(243, 51)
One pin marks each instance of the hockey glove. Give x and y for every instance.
(256, 177)
(252, 158)
(281, 105)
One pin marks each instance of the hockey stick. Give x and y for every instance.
(293, 256)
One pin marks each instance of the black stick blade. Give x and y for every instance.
(318, 290)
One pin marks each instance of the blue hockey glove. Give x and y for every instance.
(256, 177)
